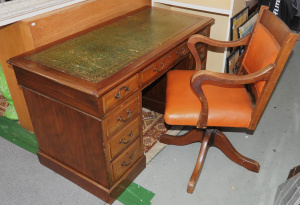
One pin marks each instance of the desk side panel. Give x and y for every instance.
(69, 136)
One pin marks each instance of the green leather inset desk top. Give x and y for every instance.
(104, 51)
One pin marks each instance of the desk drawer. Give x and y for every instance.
(122, 115)
(124, 138)
(161, 65)
(120, 92)
(126, 159)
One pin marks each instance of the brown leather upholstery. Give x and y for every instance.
(263, 50)
(229, 106)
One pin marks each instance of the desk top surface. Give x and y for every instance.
(100, 53)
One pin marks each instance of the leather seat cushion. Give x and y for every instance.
(228, 106)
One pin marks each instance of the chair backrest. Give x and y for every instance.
(272, 42)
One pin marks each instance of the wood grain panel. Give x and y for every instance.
(14, 40)
(61, 23)
(65, 134)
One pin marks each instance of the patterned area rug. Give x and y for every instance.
(153, 128)
(3, 105)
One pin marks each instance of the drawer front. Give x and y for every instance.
(126, 159)
(120, 92)
(122, 115)
(161, 65)
(124, 138)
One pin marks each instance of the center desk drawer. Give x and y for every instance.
(126, 159)
(156, 69)
(124, 138)
(122, 115)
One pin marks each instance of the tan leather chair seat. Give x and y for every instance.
(228, 106)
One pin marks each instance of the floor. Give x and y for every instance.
(275, 145)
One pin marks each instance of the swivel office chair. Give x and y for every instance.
(208, 100)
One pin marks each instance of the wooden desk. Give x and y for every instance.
(40, 30)
(84, 94)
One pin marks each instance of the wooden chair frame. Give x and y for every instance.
(214, 137)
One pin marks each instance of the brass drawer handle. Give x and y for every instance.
(156, 70)
(126, 88)
(131, 159)
(126, 142)
(128, 116)
(162, 67)
(181, 53)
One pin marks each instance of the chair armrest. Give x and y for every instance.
(224, 78)
(197, 38)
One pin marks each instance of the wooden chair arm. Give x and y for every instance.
(224, 78)
(197, 38)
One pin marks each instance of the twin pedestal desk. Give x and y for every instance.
(85, 94)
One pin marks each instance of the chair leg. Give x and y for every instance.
(222, 142)
(206, 143)
(195, 135)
